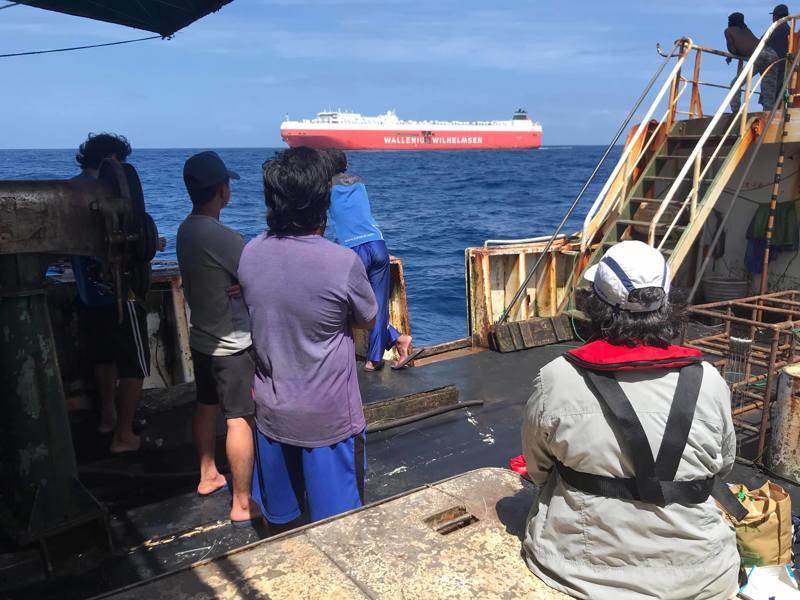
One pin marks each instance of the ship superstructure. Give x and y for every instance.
(353, 131)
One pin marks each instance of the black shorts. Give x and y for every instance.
(227, 381)
(125, 344)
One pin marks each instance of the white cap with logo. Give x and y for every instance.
(625, 267)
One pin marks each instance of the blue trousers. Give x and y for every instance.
(375, 257)
(327, 480)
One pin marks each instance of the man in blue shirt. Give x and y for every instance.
(356, 228)
(120, 351)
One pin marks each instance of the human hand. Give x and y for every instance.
(235, 291)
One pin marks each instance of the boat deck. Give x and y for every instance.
(158, 523)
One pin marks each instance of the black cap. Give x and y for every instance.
(206, 169)
(780, 10)
(736, 20)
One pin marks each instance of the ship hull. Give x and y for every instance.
(359, 139)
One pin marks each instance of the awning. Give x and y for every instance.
(164, 17)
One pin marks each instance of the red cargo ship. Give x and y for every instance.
(352, 131)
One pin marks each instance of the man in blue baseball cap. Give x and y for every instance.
(208, 257)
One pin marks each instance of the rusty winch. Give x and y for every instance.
(41, 496)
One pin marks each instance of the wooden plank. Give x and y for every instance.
(532, 333)
(410, 405)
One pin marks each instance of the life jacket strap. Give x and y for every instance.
(695, 491)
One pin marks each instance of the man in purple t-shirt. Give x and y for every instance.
(304, 295)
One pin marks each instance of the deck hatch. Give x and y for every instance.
(450, 520)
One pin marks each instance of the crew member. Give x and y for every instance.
(120, 351)
(779, 42)
(742, 43)
(627, 437)
(356, 229)
(208, 258)
(304, 295)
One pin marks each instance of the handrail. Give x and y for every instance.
(607, 205)
(746, 74)
(686, 45)
(579, 197)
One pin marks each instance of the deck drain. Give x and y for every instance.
(450, 520)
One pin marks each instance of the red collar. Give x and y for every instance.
(603, 356)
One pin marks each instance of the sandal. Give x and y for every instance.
(402, 363)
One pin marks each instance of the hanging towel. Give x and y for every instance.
(785, 232)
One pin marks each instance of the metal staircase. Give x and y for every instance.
(668, 211)
(673, 171)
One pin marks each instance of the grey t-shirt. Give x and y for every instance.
(303, 293)
(208, 257)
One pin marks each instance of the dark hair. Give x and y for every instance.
(337, 160)
(204, 195)
(297, 191)
(624, 328)
(736, 20)
(100, 146)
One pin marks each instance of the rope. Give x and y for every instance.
(32, 52)
(9, 5)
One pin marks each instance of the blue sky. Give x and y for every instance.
(228, 80)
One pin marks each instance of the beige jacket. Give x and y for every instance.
(594, 547)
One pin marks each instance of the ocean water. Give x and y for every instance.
(430, 206)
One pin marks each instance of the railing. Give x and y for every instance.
(694, 160)
(632, 154)
(619, 183)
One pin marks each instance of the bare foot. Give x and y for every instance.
(129, 443)
(107, 423)
(245, 514)
(209, 486)
(403, 346)
(372, 366)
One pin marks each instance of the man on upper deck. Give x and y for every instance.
(742, 42)
(779, 41)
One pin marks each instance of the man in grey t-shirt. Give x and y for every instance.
(304, 295)
(208, 256)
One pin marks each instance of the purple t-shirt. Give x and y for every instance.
(303, 293)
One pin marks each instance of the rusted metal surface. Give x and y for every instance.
(770, 327)
(460, 538)
(495, 273)
(784, 455)
(398, 310)
(54, 217)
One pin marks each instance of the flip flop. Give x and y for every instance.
(223, 488)
(400, 364)
(373, 369)
(258, 524)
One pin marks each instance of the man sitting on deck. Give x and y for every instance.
(208, 256)
(304, 295)
(611, 521)
(742, 42)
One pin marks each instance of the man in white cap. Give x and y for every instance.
(628, 436)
